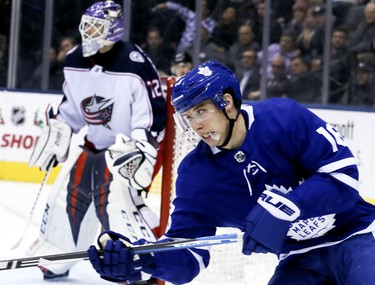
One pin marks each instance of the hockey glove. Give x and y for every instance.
(118, 262)
(268, 223)
(53, 142)
(132, 161)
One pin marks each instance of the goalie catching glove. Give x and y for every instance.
(132, 160)
(268, 223)
(118, 262)
(53, 142)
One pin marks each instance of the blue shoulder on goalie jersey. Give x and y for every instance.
(124, 57)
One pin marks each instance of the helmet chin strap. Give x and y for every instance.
(231, 126)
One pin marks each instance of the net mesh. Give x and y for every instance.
(228, 265)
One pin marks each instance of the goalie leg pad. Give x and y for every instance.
(123, 214)
(55, 234)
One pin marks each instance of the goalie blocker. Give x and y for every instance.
(54, 141)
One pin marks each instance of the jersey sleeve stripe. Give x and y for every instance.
(331, 167)
(346, 179)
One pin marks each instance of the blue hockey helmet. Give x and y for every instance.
(209, 80)
(101, 25)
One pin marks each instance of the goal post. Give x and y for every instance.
(167, 183)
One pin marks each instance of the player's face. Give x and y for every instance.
(181, 68)
(208, 122)
(93, 31)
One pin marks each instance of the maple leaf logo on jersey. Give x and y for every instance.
(311, 228)
(308, 228)
(282, 189)
(97, 110)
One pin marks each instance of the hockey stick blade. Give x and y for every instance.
(141, 249)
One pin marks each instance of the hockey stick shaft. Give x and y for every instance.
(27, 225)
(141, 249)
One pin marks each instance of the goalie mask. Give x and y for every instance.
(101, 25)
(209, 80)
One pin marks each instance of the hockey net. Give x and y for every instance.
(228, 265)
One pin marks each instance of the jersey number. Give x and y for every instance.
(332, 136)
(155, 87)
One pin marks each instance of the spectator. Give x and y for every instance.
(362, 87)
(56, 61)
(248, 74)
(244, 8)
(188, 17)
(66, 44)
(209, 49)
(3, 60)
(224, 34)
(56, 75)
(310, 39)
(298, 18)
(355, 15)
(340, 65)
(361, 39)
(182, 63)
(304, 85)
(282, 10)
(160, 54)
(341, 10)
(285, 48)
(247, 12)
(245, 40)
(275, 26)
(278, 85)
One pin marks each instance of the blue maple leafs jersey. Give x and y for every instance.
(287, 148)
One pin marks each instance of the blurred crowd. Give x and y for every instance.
(231, 32)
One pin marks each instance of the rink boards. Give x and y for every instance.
(22, 118)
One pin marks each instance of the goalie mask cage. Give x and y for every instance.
(227, 265)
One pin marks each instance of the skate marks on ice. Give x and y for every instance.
(18, 198)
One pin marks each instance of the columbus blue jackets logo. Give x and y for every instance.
(97, 110)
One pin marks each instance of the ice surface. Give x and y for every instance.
(15, 206)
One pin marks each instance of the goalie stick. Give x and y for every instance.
(140, 249)
(27, 225)
(49, 114)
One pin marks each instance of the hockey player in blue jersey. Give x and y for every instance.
(274, 170)
(113, 91)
